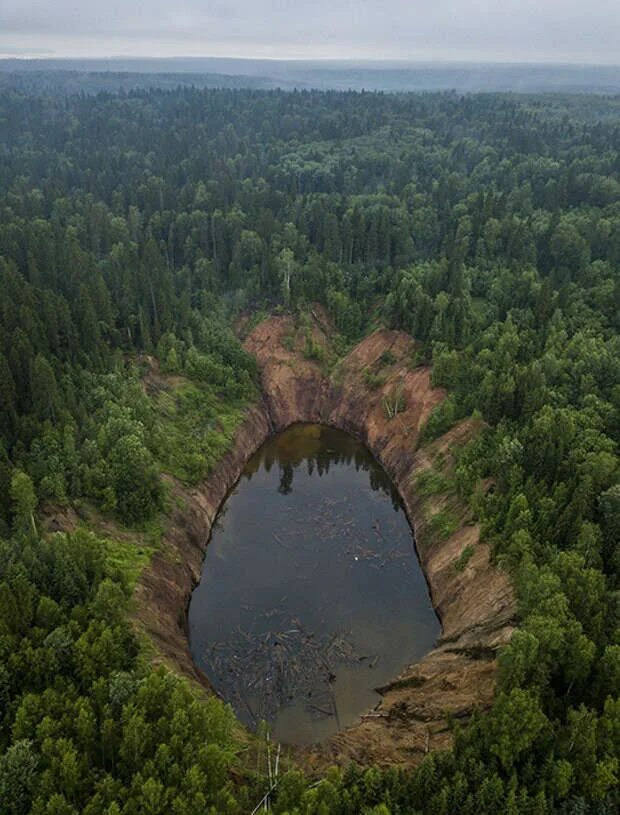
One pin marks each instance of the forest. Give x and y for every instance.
(137, 226)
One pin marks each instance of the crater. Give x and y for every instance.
(311, 593)
(379, 395)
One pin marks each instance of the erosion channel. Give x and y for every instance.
(311, 594)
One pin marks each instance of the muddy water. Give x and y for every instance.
(311, 593)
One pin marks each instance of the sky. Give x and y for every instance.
(579, 31)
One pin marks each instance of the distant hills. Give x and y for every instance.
(93, 75)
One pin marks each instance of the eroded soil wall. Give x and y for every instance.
(474, 601)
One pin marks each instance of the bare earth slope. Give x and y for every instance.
(474, 600)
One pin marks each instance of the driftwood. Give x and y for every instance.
(267, 670)
(274, 660)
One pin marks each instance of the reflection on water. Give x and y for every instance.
(311, 593)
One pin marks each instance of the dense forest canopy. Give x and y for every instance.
(139, 224)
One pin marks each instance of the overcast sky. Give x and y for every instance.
(477, 30)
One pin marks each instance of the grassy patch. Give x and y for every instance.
(431, 482)
(444, 524)
(464, 558)
(288, 341)
(256, 318)
(374, 380)
(394, 403)
(195, 427)
(128, 558)
(313, 350)
(442, 418)
(387, 358)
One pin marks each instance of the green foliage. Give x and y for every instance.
(514, 727)
(444, 523)
(128, 559)
(24, 501)
(464, 558)
(374, 380)
(312, 349)
(387, 358)
(193, 429)
(101, 735)
(18, 778)
(394, 402)
(432, 482)
(443, 416)
(487, 226)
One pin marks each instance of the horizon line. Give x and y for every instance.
(338, 60)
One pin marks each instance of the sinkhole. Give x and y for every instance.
(311, 594)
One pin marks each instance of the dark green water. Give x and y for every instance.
(311, 593)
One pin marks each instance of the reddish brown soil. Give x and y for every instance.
(475, 603)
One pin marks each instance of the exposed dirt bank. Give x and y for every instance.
(473, 599)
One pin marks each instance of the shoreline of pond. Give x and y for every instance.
(475, 605)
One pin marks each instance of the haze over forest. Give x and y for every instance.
(467, 77)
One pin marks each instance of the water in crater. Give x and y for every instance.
(311, 593)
